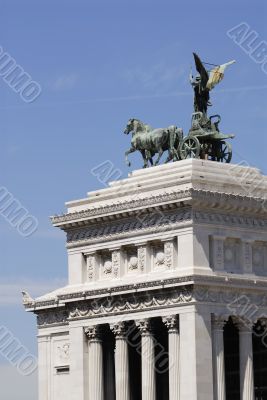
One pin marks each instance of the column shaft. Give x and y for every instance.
(96, 371)
(246, 365)
(121, 363)
(148, 361)
(174, 356)
(218, 358)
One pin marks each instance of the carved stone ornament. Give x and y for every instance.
(118, 329)
(93, 333)
(171, 323)
(64, 352)
(130, 304)
(133, 263)
(144, 326)
(52, 318)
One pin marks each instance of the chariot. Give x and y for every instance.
(205, 141)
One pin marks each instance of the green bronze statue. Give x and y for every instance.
(204, 139)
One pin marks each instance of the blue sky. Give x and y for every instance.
(100, 63)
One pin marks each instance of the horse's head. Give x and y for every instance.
(130, 126)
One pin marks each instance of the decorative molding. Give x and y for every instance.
(203, 283)
(213, 199)
(229, 219)
(54, 317)
(126, 205)
(131, 303)
(116, 263)
(90, 267)
(234, 302)
(142, 254)
(168, 251)
(128, 227)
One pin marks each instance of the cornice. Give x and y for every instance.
(203, 282)
(118, 209)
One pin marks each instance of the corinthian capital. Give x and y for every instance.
(171, 323)
(93, 332)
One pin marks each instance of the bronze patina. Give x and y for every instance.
(204, 139)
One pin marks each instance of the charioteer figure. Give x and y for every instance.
(205, 82)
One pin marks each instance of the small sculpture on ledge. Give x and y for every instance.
(204, 139)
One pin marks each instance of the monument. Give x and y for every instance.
(166, 298)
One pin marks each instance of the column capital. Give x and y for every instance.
(244, 325)
(218, 321)
(93, 333)
(144, 325)
(171, 322)
(119, 329)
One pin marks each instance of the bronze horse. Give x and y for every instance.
(153, 141)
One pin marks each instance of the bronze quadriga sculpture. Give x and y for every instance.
(204, 139)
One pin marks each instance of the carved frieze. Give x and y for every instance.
(130, 226)
(53, 317)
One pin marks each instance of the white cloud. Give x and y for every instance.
(15, 386)
(65, 82)
(10, 293)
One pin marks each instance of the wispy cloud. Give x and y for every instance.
(65, 82)
(10, 292)
(160, 77)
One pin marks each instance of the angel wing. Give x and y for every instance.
(201, 70)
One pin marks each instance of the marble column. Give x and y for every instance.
(96, 370)
(245, 328)
(174, 355)
(148, 360)
(121, 362)
(218, 323)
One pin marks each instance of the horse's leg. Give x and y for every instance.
(149, 157)
(159, 156)
(131, 150)
(145, 159)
